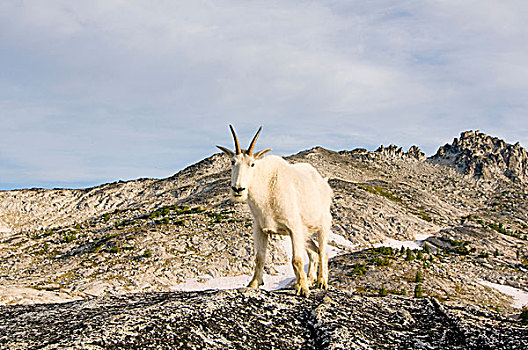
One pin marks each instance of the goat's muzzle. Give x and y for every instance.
(239, 194)
(238, 190)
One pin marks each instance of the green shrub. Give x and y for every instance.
(47, 233)
(68, 238)
(498, 227)
(359, 269)
(456, 243)
(418, 291)
(44, 248)
(379, 261)
(380, 191)
(462, 250)
(383, 250)
(147, 253)
(424, 216)
(217, 217)
(397, 292)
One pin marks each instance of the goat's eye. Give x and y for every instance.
(252, 164)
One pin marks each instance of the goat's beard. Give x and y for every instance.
(240, 198)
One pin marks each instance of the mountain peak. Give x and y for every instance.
(484, 157)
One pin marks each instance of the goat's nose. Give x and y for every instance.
(238, 189)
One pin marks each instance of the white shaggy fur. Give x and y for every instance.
(286, 199)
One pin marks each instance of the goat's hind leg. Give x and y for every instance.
(298, 248)
(260, 241)
(313, 255)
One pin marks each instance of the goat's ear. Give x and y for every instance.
(230, 153)
(260, 154)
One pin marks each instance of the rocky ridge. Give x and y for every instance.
(394, 151)
(484, 157)
(249, 319)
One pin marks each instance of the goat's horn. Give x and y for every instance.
(238, 150)
(253, 142)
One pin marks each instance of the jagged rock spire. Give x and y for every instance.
(484, 157)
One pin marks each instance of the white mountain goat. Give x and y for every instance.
(285, 199)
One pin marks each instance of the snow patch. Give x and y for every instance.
(396, 244)
(26, 296)
(520, 297)
(349, 181)
(281, 279)
(341, 241)
(4, 228)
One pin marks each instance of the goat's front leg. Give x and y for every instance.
(260, 241)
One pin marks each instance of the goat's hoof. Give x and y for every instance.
(322, 284)
(254, 284)
(311, 281)
(302, 291)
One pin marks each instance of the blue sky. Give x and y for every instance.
(93, 92)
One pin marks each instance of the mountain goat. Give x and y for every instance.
(285, 199)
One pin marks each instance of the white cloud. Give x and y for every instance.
(122, 89)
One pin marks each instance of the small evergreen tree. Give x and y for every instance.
(484, 254)
(419, 255)
(524, 315)
(496, 252)
(147, 253)
(410, 255)
(402, 250)
(383, 291)
(418, 291)
(426, 249)
(418, 278)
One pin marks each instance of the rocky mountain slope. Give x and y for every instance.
(467, 205)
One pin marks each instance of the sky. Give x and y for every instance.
(105, 90)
